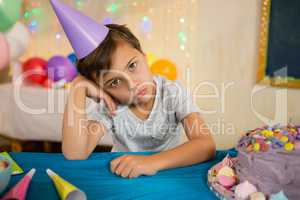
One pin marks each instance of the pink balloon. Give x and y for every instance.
(4, 52)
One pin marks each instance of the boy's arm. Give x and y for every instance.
(80, 136)
(199, 148)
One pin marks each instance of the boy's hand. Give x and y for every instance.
(132, 166)
(94, 92)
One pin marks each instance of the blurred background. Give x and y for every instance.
(211, 46)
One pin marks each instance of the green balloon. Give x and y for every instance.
(9, 13)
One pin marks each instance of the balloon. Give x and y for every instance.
(4, 52)
(18, 39)
(151, 58)
(35, 70)
(72, 57)
(16, 71)
(48, 83)
(9, 13)
(60, 67)
(165, 68)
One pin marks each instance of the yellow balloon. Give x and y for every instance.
(164, 68)
(151, 58)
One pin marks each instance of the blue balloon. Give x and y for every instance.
(72, 57)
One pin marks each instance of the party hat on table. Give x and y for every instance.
(66, 190)
(16, 169)
(19, 191)
(84, 33)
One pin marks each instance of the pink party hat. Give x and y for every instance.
(84, 33)
(19, 191)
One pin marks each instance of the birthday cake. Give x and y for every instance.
(267, 166)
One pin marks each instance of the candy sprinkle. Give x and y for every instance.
(284, 139)
(256, 147)
(289, 146)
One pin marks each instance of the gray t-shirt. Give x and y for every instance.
(160, 131)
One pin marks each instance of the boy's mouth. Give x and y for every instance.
(142, 91)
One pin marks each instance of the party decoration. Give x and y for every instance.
(33, 26)
(16, 169)
(35, 70)
(226, 171)
(66, 190)
(113, 7)
(151, 58)
(72, 57)
(60, 67)
(48, 83)
(34, 17)
(67, 86)
(18, 39)
(16, 71)
(257, 196)
(182, 38)
(4, 54)
(78, 4)
(279, 196)
(59, 84)
(9, 13)
(165, 68)
(5, 173)
(107, 20)
(19, 191)
(84, 33)
(146, 24)
(244, 190)
(226, 181)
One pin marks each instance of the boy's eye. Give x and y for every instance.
(132, 66)
(116, 83)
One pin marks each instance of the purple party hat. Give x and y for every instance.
(84, 33)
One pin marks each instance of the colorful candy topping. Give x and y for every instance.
(277, 137)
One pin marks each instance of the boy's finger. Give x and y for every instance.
(114, 163)
(108, 104)
(133, 173)
(121, 167)
(111, 108)
(111, 101)
(126, 171)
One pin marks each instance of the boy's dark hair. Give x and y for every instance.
(100, 58)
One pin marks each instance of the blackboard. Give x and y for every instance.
(279, 48)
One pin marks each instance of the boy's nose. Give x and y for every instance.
(133, 84)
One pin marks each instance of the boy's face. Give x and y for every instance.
(129, 79)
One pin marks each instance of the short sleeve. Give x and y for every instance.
(183, 101)
(98, 112)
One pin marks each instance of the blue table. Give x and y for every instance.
(94, 177)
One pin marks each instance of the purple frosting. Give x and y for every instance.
(272, 171)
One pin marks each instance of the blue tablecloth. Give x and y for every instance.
(95, 179)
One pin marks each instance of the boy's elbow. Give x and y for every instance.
(74, 155)
(212, 149)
